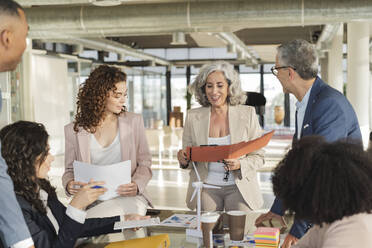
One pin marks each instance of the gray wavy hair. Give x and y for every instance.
(301, 55)
(235, 94)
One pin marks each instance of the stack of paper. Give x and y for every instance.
(136, 223)
(267, 237)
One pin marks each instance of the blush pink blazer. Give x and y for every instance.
(133, 145)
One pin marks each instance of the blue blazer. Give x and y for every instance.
(44, 234)
(328, 114)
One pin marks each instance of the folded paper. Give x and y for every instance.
(113, 175)
(216, 153)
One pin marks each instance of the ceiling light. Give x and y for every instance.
(106, 3)
(178, 38)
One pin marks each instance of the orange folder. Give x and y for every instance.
(217, 153)
(157, 241)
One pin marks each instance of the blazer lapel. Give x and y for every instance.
(83, 140)
(236, 132)
(124, 134)
(201, 129)
(202, 126)
(306, 124)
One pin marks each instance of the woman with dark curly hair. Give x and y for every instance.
(25, 149)
(104, 133)
(329, 185)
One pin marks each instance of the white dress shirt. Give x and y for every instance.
(301, 110)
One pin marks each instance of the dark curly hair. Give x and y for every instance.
(92, 96)
(324, 182)
(23, 145)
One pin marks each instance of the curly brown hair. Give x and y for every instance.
(93, 94)
(23, 145)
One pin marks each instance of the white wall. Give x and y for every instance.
(50, 95)
(5, 115)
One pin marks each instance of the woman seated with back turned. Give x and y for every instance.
(330, 185)
(26, 151)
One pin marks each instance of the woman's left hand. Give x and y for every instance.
(129, 217)
(232, 164)
(130, 189)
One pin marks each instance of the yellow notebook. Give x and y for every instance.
(158, 241)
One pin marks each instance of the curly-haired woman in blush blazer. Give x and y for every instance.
(105, 133)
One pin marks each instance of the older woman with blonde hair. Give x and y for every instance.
(222, 120)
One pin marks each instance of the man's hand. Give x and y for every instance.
(130, 189)
(269, 216)
(289, 241)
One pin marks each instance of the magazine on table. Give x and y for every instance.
(180, 220)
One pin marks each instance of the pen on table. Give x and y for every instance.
(96, 187)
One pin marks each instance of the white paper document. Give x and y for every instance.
(113, 175)
(136, 223)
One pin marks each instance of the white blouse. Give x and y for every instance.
(216, 171)
(105, 155)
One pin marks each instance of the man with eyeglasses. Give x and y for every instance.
(320, 110)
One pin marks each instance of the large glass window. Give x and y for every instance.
(179, 90)
(146, 94)
(250, 82)
(275, 97)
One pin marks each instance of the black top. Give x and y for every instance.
(44, 234)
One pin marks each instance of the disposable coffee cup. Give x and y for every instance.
(208, 221)
(236, 225)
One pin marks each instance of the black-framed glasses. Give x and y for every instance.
(275, 70)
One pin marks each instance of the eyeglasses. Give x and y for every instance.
(275, 70)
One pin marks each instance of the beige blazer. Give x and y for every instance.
(133, 146)
(244, 126)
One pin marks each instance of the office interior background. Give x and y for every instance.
(161, 44)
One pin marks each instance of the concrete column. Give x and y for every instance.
(130, 85)
(370, 94)
(169, 92)
(357, 90)
(335, 74)
(323, 61)
(27, 98)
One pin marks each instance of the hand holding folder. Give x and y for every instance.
(217, 153)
